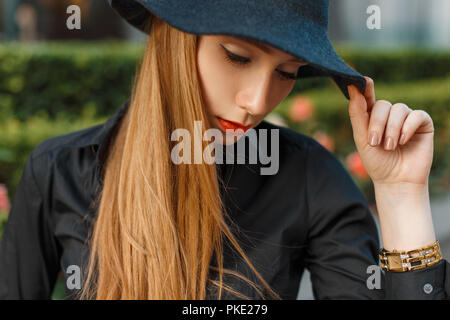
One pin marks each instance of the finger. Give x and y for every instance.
(369, 94)
(397, 116)
(378, 120)
(358, 115)
(418, 121)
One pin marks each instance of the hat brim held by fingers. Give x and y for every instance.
(298, 27)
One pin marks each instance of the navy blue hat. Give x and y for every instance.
(298, 27)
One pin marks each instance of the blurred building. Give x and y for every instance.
(30, 20)
(403, 22)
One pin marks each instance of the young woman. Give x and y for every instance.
(108, 203)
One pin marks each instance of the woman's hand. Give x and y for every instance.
(387, 159)
(399, 169)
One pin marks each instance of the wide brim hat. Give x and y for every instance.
(298, 27)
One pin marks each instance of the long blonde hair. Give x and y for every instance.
(159, 224)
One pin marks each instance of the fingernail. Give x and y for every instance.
(389, 143)
(402, 138)
(350, 89)
(373, 139)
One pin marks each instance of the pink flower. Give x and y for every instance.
(356, 166)
(302, 108)
(325, 140)
(4, 201)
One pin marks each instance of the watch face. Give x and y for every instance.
(394, 262)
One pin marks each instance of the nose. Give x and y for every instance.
(254, 98)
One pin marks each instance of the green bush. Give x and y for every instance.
(403, 65)
(54, 77)
(389, 66)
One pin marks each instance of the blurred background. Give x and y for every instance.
(54, 80)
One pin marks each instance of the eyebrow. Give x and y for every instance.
(261, 45)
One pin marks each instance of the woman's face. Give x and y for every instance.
(241, 81)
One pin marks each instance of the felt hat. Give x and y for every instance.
(298, 27)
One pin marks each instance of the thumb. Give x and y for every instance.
(359, 117)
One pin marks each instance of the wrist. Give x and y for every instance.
(401, 189)
(405, 216)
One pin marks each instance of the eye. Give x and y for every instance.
(239, 60)
(287, 76)
(234, 58)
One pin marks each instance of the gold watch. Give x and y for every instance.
(400, 261)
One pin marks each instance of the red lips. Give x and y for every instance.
(230, 125)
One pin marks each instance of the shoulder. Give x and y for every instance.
(94, 136)
(65, 159)
(73, 140)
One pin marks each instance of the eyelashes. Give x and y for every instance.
(241, 61)
(233, 58)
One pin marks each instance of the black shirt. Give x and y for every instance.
(308, 215)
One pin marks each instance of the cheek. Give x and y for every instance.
(217, 82)
(282, 91)
(277, 92)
